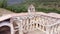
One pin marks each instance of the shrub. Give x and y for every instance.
(3, 3)
(17, 9)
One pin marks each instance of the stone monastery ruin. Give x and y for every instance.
(49, 23)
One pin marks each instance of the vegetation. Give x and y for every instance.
(17, 9)
(3, 3)
(41, 5)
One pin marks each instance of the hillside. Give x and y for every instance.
(40, 5)
(4, 11)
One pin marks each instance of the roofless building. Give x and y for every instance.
(31, 21)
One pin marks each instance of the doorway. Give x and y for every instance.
(4, 30)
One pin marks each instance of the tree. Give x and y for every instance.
(3, 3)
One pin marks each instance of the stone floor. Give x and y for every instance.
(36, 32)
(5, 30)
(32, 32)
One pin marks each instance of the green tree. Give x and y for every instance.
(3, 3)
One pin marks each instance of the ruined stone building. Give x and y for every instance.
(20, 23)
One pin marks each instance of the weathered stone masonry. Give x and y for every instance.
(33, 21)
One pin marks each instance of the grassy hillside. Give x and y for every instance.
(41, 5)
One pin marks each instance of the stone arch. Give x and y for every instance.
(5, 30)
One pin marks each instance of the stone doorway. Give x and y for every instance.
(5, 30)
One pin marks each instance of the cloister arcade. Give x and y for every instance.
(33, 21)
(49, 25)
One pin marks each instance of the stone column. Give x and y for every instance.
(47, 30)
(58, 29)
(12, 29)
(43, 27)
(27, 24)
(20, 27)
(55, 29)
(11, 26)
(36, 25)
(51, 30)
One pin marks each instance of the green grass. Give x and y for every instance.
(48, 10)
